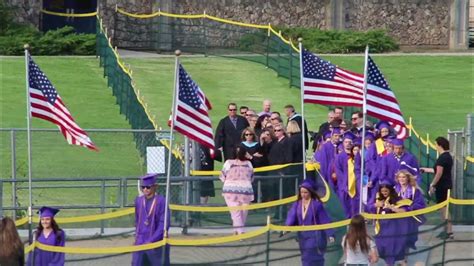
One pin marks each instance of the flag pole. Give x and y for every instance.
(364, 119)
(170, 154)
(28, 130)
(303, 129)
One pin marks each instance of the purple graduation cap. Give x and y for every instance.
(327, 135)
(47, 212)
(370, 135)
(382, 124)
(148, 179)
(397, 142)
(357, 141)
(349, 135)
(336, 130)
(309, 184)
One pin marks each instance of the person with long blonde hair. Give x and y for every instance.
(407, 189)
(11, 248)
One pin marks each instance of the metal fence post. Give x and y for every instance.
(205, 33)
(259, 191)
(13, 150)
(1, 198)
(267, 255)
(268, 43)
(280, 208)
(290, 70)
(102, 205)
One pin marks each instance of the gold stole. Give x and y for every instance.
(351, 182)
(400, 203)
(377, 224)
(379, 146)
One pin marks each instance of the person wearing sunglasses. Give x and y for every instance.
(228, 133)
(149, 222)
(243, 110)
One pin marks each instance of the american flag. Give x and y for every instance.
(381, 101)
(46, 104)
(325, 83)
(191, 114)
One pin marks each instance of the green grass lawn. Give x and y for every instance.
(437, 91)
(80, 83)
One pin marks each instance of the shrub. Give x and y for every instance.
(332, 41)
(63, 41)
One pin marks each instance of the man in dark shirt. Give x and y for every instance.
(443, 180)
(228, 132)
(294, 116)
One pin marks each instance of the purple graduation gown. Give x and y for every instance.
(391, 165)
(418, 202)
(391, 239)
(325, 157)
(351, 205)
(47, 258)
(149, 230)
(312, 244)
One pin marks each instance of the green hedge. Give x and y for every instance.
(64, 41)
(332, 41)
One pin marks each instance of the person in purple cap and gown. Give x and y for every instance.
(309, 210)
(149, 224)
(407, 188)
(390, 234)
(48, 233)
(326, 155)
(347, 167)
(399, 159)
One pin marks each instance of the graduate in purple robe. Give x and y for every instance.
(347, 167)
(48, 233)
(390, 234)
(149, 224)
(309, 210)
(399, 159)
(407, 188)
(326, 155)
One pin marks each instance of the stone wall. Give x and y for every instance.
(414, 22)
(25, 11)
(411, 22)
(294, 13)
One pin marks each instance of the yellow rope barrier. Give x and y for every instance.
(406, 214)
(310, 227)
(233, 238)
(236, 208)
(84, 15)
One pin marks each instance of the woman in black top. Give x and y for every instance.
(442, 180)
(11, 248)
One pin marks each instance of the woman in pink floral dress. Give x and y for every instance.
(237, 175)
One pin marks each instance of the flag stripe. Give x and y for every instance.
(191, 117)
(46, 104)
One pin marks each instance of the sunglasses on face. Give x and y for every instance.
(248, 134)
(232, 110)
(147, 187)
(243, 113)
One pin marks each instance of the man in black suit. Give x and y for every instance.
(292, 115)
(229, 130)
